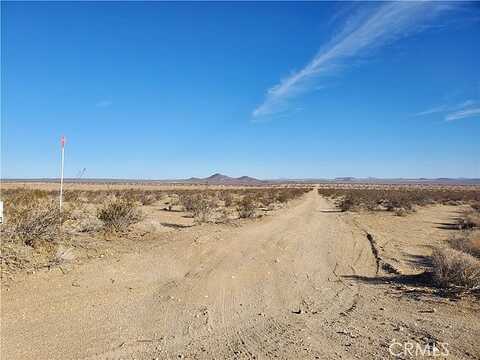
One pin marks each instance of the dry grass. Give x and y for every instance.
(468, 242)
(399, 201)
(454, 268)
(29, 220)
(118, 214)
(469, 220)
(32, 231)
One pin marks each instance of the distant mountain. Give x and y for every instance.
(224, 179)
(247, 180)
(218, 178)
(347, 179)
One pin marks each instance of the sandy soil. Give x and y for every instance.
(302, 284)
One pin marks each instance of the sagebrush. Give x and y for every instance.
(454, 268)
(118, 214)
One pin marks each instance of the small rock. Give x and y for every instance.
(76, 284)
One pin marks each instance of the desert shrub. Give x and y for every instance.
(468, 242)
(453, 268)
(228, 199)
(188, 201)
(15, 256)
(83, 219)
(267, 198)
(282, 196)
(200, 205)
(246, 207)
(391, 199)
(37, 194)
(129, 195)
(203, 208)
(146, 198)
(346, 204)
(118, 214)
(171, 201)
(71, 195)
(469, 220)
(476, 206)
(94, 196)
(29, 220)
(285, 195)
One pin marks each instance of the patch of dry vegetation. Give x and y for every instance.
(459, 266)
(201, 205)
(206, 205)
(468, 242)
(30, 221)
(118, 214)
(470, 219)
(32, 229)
(36, 234)
(246, 207)
(399, 201)
(454, 268)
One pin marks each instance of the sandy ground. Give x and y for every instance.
(302, 284)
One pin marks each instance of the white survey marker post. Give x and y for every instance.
(62, 142)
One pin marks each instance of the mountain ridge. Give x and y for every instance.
(219, 178)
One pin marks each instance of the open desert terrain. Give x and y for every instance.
(297, 278)
(233, 180)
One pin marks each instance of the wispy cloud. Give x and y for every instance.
(103, 104)
(466, 109)
(462, 114)
(434, 110)
(360, 34)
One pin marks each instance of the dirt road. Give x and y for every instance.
(280, 287)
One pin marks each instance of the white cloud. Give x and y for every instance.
(462, 114)
(434, 110)
(465, 109)
(361, 33)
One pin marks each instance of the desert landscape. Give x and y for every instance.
(198, 272)
(229, 180)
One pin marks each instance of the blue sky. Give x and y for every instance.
(170, 90)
